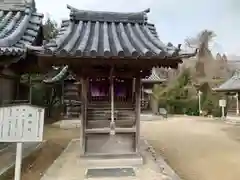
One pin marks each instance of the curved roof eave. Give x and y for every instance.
(120, 37)
(232, 84)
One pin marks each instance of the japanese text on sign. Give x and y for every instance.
(22, 123)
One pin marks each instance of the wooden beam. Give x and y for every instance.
(129, 73)
(142, 63)
(13, 77)
(8, 60)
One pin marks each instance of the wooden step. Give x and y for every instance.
(106, 123)
(107, 130)
(90, 116)
(103, 112)
(102, 116)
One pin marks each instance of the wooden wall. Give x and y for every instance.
(8, 86)
(72, 99)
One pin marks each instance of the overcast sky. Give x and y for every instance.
(174, 19)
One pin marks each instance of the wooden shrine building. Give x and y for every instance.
(71, 98)
(231, 87)
(20, 25)
(71, 95)
(110, 53)
(148, 102)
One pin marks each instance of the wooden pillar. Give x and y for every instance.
(17, 97)
(63, 113)
(112, 123)
(84, 112)
(63, 93)
(133, 89)
(142, 93)
(137, 109)
(30, 88)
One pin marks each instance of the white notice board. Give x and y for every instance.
(222, 103)
(21, 123)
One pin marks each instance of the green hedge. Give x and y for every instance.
(180, 106)
(181, 97)
(190, 106)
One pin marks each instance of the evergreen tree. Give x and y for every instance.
(50, 29)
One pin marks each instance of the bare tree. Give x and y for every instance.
(204, 57)
(201, 41)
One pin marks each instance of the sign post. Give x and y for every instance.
(199, 102)
(237, 104)
(222, 104)
(19, 124)
(18, 162)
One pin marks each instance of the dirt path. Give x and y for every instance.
(198, 149)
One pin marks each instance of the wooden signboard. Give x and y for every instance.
(18, 124)
(22, 123)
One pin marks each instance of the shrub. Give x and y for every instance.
(180, 106)
(181, 97)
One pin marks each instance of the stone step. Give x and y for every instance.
(232, 120)
(107, 161)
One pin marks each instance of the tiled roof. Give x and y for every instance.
(15, 4)
(109, 34)
(232, 84)
(57, 75)
(153, 78)
(19, 25)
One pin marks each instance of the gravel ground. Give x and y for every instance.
(7, 158)
(196, 148)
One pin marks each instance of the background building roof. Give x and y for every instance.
(20, 25)
(232, 84)
(153, 78)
